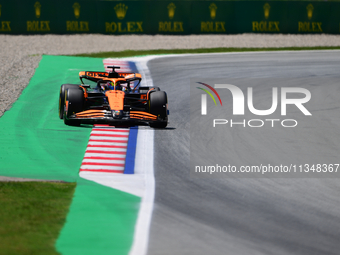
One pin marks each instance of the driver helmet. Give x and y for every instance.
(118, 87)
(109, 85)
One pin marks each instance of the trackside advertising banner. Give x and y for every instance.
(264, 127)
(168, 17)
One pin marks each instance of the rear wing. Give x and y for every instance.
(96, 76)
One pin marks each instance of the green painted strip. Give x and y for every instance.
(35, 143)
(101, 221)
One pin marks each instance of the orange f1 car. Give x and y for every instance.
(113, 98)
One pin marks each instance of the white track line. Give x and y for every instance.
(144, 165)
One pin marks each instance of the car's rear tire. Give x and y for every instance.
(75, 98)
(158, 106)
(63, 89)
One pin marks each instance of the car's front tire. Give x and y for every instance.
(158, 101)
(75, 98)
(63, 89)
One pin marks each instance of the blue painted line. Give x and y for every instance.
(131, 146)
(133, 67)
(131, 151)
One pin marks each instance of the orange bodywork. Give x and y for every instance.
(142, 115)
(103, 75)
(91, 114)
(85, 92)
(98, 75)
(116, 99)
(147, 95)
(101, 114)
(66, 106)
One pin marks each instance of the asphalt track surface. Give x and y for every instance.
(247, 215)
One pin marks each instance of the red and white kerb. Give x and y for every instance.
(124, 65)
(106, 150)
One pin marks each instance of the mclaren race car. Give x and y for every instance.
(114, 98)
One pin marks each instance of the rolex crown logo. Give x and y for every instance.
(310, 9)
(120, 10)
(37, 7)
(171, 10)
(76, 9)
(0, 10)
(266, 9)
(213, 9)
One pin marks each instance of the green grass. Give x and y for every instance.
(132, 53)
(32, 215)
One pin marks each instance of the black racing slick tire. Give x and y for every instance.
(63, 89)
(75, 98)
(158, 106)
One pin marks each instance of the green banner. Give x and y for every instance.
(37, 17)
(128, 17)
(78, 17)
(168, 17)
(307, 17)
(261, 17)
(213, 17)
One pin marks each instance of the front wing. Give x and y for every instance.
(116, 117)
